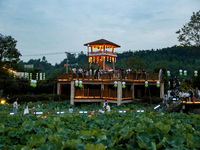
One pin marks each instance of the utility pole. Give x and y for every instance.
(67, 62)
(88, 56)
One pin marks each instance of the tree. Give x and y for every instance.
(8, 52)
(189, 35)
(134, 62)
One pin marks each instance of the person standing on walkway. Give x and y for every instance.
(15, 106)
(165, 101)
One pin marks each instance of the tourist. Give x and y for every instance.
(165, 101)
(70, 110)
(26, 111)
(105, 102)
(199, 95)
(191, 95)
(100, 111)
(172, 94)
(139, 73)
(74, 72)
(121, 72)
(80, 71)
(15, 106)
(144, 74)
(107, 108)
(187, 95)
(8, 97)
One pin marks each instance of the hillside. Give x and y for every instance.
(172, 58)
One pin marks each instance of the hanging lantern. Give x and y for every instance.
(180, 72)
(112, 59)
(123, 85)
(107, 58)
(195, 73)
(115, 60)
(33, 83)
(158, 84)
(76, 83)
(185, 73)
(168, 73)
(80, 84)
(115, 84)
(146, 83)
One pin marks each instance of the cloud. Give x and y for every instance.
(50, 26)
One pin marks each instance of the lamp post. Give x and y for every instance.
(67, 62)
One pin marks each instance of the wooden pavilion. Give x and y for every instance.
(95, 89)
(100, 51)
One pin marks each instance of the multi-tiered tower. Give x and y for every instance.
(102, 51)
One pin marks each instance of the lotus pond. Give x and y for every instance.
(118, 131)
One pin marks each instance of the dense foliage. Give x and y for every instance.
(130, 131)
(189, 35)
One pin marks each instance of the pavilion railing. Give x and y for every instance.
(108, 76)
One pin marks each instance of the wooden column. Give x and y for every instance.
(58, 88)
(114, 65)
(161, 90)
(72, 93)
(133, 90)
(104, 63)
(119, 93)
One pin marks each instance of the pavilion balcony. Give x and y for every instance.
(108, 76)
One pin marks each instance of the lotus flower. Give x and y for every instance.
(34, 107)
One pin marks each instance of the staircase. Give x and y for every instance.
(173, 107)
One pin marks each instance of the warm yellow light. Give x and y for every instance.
(115, 60)
(3, 101)
(94, 59)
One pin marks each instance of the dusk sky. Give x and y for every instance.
(50, 26)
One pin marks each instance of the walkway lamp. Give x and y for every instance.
(195, 73)
(168, 73)
(180, 72)
(185, 73)
(146, 84)
(158, 84)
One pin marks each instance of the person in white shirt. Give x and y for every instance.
(100, 111)
(74, 72)
(80, 70)
(107, 108)
(15, 106)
